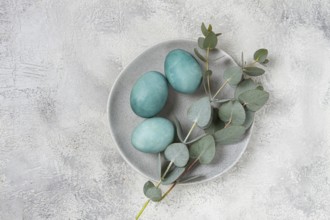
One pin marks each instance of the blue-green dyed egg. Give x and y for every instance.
(182, 71)
(153, 135)
(149, 94)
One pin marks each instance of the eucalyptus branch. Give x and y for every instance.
(184, 173)
(224, 124)
(168, 191)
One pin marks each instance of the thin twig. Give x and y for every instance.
(143, 208)
(167, 169)
(190, 131)
(219, 90)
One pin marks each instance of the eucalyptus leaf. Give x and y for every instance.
(177, 153)
(178, 127)
(201, 42)
(260, 87)
(147, 186)
(253, 71)
(260, 55)
(249, 119)
(245, 85)
(204, 149)
(173, 175)
(152, 192)
(233, 75)
(200, 56)
(216, 123)
(200, 112)
(204, 30)
(232, 112)
(215, 126)
(229, 135)
(210, 41)
(209, 29)
(254, 99)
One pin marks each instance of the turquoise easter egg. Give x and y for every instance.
(149, 94)
(182, 71)
(153, 135)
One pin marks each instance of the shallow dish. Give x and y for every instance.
(123, 120)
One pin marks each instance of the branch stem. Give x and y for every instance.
(219, 90)
(158, 184)
(174, 184)
(190, 131)
(166, 171)
(168, 191)
(143, 208)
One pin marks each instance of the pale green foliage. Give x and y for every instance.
(203, 150)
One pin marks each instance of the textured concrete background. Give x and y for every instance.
(59, 59)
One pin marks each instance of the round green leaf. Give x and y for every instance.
(178, 129)
(209, 28)
(266, 61)
(229, 135)
(232, 112)
(210, 41)
(204, 30)
(233, 75)
(200, 112)
(155, 194)
(249, 119)
(245, 85)
(152, 192)
(147, 186)
(201, 42)
(254, 99)
(200, 56)
(173, 175)
(253, 71)
(204, 149)
(215, 126)
(260, 87)
(260, 55)
(178, 154)
(216, 123)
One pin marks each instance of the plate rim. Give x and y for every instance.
(111, 94)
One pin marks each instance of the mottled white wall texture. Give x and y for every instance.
(59, 59)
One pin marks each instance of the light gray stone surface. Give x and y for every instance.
(59, 59)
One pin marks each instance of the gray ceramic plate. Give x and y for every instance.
(123, 120)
